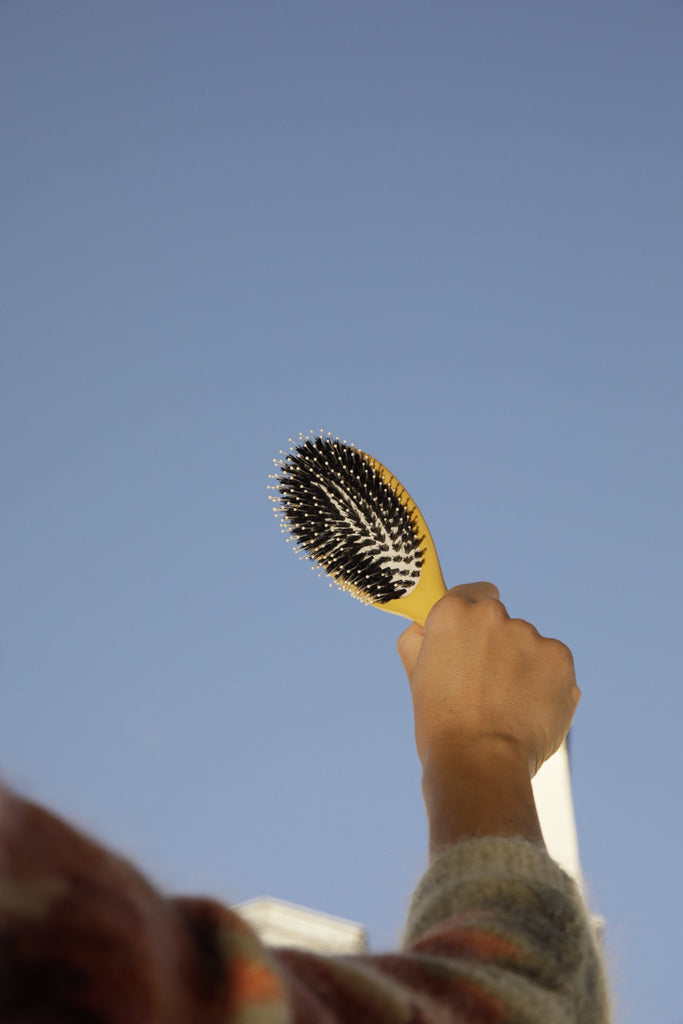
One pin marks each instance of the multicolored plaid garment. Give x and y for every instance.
(497, 934)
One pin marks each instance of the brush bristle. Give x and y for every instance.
(342, 514)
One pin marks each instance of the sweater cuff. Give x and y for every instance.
(478, 872)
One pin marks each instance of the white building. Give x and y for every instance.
(553, 794)
(286, 924)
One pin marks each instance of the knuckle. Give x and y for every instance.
(493, 610)
(446, 610)
(491, 589)
(561, 651)
(527, 631)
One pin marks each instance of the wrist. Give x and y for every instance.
(480, 788)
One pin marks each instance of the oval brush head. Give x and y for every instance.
(348, 513)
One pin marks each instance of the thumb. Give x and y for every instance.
(409, 644)
(410, 641)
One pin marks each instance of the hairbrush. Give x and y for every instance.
(346, 512)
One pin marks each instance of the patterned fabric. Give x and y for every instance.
(497, 934)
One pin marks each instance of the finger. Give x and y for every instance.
(458, 600)
(410, 641)
(409, 644)
(476, 591)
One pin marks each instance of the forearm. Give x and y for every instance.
(479, 790)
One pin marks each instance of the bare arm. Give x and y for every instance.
(493, 700)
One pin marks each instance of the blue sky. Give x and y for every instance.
(451, 233)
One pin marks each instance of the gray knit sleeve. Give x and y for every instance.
(509, 894)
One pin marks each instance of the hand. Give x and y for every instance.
(478, 676)
(492, 700)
